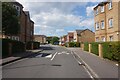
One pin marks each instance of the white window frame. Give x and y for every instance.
(102, 24)
(97, 39)
(96, 11)
(97, 26)
(103, 38)
(110, 5)
(111, 38)
(110, 21)
(102, 8)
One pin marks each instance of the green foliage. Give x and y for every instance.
(36, 45)
(86, 46)
(111, 50)
(77, 44)
(55, 41)
(10, 25)
(94, 48)
(17, 47)
(71, 44)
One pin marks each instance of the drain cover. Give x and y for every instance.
(56, 65)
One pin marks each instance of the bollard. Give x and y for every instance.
(100, 50)
(10, 49)
(89, 48)
(82, 46)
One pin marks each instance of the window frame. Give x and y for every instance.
(97, 27)
(111, 38)
(110, 5)
(102, 9)
(103, 38)
(102, 24)
(110, 22)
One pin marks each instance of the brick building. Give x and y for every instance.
(84, 36)
(40, 38)
(26, 25)
(70, 36)
(107, 21)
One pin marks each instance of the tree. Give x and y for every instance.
(10, 22)
(55, 40)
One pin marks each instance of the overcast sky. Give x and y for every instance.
(58, 18)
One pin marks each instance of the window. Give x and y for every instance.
(110, 23)
(13, 38)
(103, 38)
(111, 38)
(102, 8)
(97, 39)
(97, 26)
(102, 24)
(110, 5)
(96, 12)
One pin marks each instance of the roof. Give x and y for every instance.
(27, 13)
(80, 31)
(39, 36)
(17, 3)
(101, 4)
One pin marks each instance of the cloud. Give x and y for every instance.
(89, 11)
(51, 18)
(60, 0)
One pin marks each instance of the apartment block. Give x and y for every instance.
(107, 21)
(40, 38)
(84, 36)
(26, 25)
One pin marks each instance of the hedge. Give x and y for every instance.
(111, 50)
(17, 47)
(94, 48)
(86, 46)
(72, 44)
(36, 45)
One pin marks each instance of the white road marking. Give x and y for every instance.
(117, 65)
(39, 55)
(87, 66)
(67, 53)
(83, 66)
(49, 56)
(59, 53)
(53, 56)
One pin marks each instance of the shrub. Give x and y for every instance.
(94, 48)
(17, 47)
(86, 46)
(111, 50)
(36, 45)
(71, 44)
(77, 44)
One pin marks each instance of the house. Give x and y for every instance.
(84, 36)
(107, 21)
(70, 37)
(40, 38)
(63, 40)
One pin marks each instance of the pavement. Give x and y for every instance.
(103, 68)
(61, 62)
(18, 56)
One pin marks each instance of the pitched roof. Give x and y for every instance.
(78, 31)
(101, 4)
